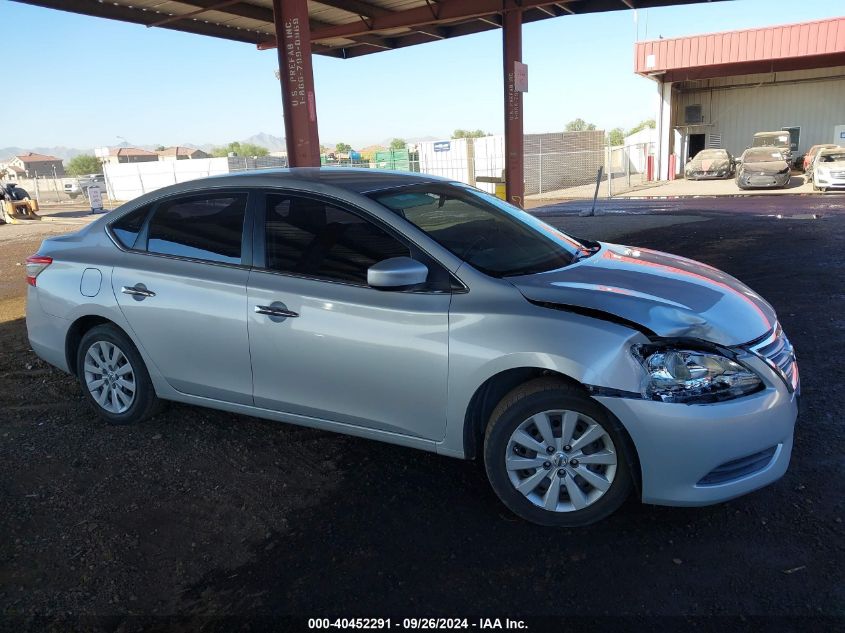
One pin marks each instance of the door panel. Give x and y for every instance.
(194, 327)
(354, 354)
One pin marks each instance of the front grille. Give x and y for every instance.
(837, 174)
(779, 353)
(761, 181)
(737, 468)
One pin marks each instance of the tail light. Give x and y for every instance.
(35, 265)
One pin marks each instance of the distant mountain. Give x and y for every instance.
(273, 143)
(65, 153)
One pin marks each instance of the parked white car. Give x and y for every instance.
(829, 169)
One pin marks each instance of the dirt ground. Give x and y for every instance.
(198, 513)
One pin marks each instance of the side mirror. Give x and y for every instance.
(396, 273)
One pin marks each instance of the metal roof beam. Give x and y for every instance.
(190, 14)
(357, 7)
(367, 10)
(446, 10)
(239, 9)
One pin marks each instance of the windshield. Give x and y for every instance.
(832, 158)
(761, 156)
(711, 154)
(496, 238)
(773, 140)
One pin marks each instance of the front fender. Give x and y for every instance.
(485, 343)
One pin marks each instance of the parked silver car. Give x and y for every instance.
(422, 312)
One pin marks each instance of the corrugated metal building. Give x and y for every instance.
(719, 89)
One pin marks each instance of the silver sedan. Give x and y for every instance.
(422, 312)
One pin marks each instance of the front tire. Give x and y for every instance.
(556, 457)
(114, 378)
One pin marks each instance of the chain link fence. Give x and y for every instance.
(557, 166)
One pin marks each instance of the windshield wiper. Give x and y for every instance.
(585, 253)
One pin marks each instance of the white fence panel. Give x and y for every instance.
(130, 180)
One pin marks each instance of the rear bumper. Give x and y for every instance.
(680, 445)
(47, 333)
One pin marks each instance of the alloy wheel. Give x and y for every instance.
(109, 377)
(561, 460)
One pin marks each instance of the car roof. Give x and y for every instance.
(832, 150)
(358, 180)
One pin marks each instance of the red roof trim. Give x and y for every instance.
(814, 41)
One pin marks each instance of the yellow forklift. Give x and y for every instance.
(16, 206)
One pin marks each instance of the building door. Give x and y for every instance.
(696, 144)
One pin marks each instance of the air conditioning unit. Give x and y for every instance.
(693, 114)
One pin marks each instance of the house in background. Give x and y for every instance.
(30, 165)
(115, 155)
(181, 153)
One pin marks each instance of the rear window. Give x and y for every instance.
(200, 227)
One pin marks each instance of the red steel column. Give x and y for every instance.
(512, 53)
(293, 38)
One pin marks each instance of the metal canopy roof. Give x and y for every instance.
(816, 44)
(340, 28)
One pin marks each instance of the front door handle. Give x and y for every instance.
(138, 291)
(278, 311)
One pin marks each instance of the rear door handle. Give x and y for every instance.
(278, 311)
(138, 291)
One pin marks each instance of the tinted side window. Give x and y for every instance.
(126, 229)
(317, 239)
(201, 227)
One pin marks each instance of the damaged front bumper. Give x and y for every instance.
(700, 454)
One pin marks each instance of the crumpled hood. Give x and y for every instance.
(671, 296)
(769, 167)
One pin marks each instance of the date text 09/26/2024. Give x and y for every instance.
(417, 623)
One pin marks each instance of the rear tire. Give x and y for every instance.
(114, 378)
(576, 456)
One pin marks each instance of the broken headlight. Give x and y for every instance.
(693, 376)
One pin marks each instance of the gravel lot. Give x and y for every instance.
(202, 513)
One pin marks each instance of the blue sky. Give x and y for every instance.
(90, 81)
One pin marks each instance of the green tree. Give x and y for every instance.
(615, 137)
(343, 148)
(469, 133)
(398, 143)
(241, 149)
(579, 125)
(83, 164)
(160, 148)
(641, 126)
